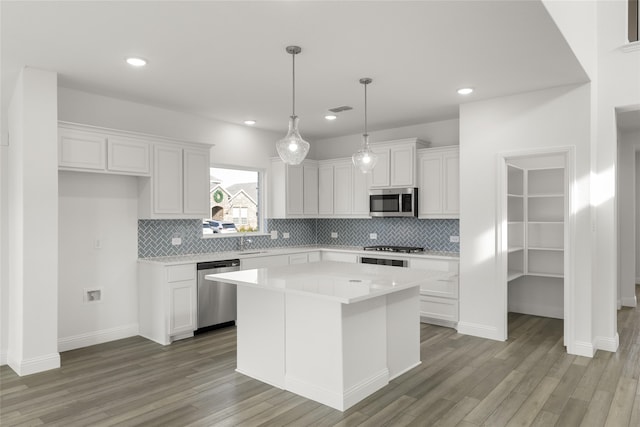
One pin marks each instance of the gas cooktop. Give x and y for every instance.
(402, 249)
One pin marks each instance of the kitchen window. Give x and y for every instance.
(235, 196)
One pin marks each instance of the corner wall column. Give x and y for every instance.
(33, 223)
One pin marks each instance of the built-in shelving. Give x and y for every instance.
(535, 226)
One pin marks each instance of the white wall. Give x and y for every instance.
(629, 144)
(33, 224)
(97, 207)
(637, 217)
(234, 144)
(439, 134)
(4, 246)
(550, 118)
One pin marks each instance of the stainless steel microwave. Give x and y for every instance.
(393, 202)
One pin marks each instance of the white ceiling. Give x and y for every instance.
(227, 60)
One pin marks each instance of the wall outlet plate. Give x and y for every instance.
(92, 294)
(175, 241)
(274, 234)
(373, 236)
(285, 235)
(334, 235)
(454, 239)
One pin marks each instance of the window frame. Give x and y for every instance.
(261, 217)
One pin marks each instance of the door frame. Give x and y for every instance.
(568, 153)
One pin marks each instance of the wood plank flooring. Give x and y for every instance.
(463, 381)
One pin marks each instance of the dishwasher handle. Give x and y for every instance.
(218, 264)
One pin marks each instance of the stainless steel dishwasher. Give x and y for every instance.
(216, 300)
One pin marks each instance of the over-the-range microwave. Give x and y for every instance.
(393, 202)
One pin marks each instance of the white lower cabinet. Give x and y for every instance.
(167, 301)
(303, 258)
(339, 256)
(439, 297)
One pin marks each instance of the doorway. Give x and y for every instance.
(534, 242)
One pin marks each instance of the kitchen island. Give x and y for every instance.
(330, 331)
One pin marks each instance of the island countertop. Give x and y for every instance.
(342, 282)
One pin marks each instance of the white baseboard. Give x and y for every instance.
(35, 364)
(97, 337)
(3, 357)
(581, 348)
(478, 330)
(537, 310)
(629, 302)
(338, 399)
(608, 343)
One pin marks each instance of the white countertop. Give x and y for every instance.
(251, 253)
(342, 282)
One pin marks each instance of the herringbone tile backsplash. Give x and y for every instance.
(154, 236)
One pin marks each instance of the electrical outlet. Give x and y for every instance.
(176, 241)
(92, 295)
(274, 234)
(454, 239)
(334, 235)
(285, 235)
(97, 244)
(373, 236)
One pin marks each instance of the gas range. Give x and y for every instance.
(400, 249)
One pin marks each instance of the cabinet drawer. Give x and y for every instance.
(298, 259)
(179, 273)
(434, 264)
(446, 287)
(439, 308)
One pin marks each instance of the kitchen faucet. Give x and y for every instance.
(243, 241)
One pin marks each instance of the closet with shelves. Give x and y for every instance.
(536, 216)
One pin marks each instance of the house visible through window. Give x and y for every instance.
(234, 198)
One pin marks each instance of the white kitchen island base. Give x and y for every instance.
(334, 350)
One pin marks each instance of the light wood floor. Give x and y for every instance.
(463, 381)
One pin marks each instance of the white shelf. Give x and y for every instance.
(554, 195)
(521, 196)
(545, 249)
(513, 274)
(516, 249)
(531, 273)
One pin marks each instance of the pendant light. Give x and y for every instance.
(292, 149)
(365, 159)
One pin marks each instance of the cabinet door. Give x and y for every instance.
(310, 193)
(182, 307)
(128, 155)
(264, 262)
(325, 190)
(360, 202)
(82, 150)
(451, 185)
(342, 189)
(340, 257)
(196, 183)
(295, 190)
(167, 174)
(380, 173)
(298, 259)
(430, 194)
(402, 166)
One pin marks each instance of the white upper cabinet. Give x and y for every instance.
(128, 155)
(396, 165)
(179, 185)
(293, 189)
(81, 150)
(90, 149)
(343, 190)
(439, 182)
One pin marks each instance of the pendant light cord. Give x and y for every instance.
(365, 109)
(293, 55)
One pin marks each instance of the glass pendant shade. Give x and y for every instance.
(292, 149)
(365, 159)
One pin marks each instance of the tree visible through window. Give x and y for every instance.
(234, 199)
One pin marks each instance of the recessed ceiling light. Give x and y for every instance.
(250, 122)
(465, 91)
(330, 117)
(136, 62)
